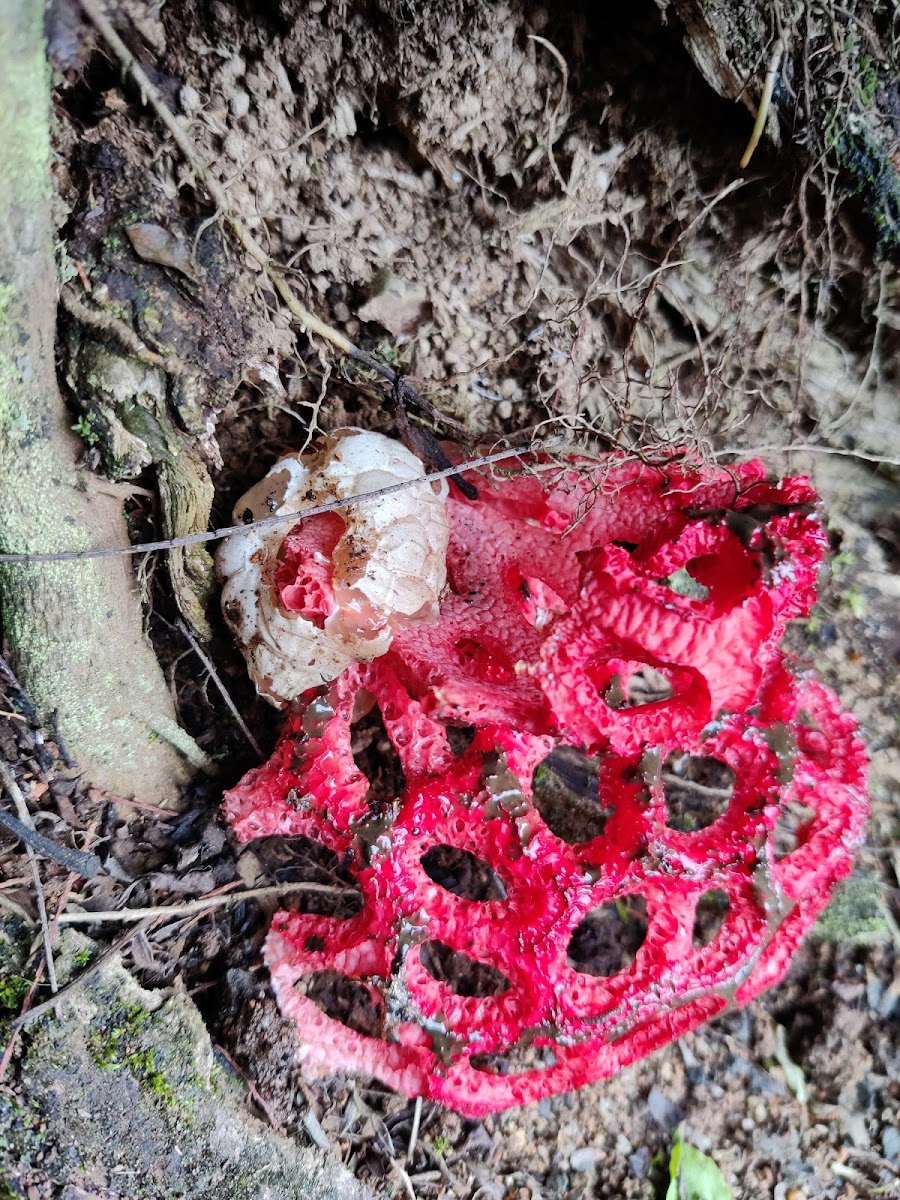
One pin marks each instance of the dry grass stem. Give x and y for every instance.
(762, 113)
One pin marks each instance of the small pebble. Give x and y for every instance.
(639, 1162)
(585, 1159)
(623, 1146)
(664, 1112)
(240, 103)
(890, 1144)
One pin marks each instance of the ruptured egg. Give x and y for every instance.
(306, 600)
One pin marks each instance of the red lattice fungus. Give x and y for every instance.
(600, 743)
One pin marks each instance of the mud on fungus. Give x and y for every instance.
(596, 846)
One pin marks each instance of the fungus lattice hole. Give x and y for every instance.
(301, 860)
(698, 790)
(460, 738)
(524, 1056)
(791, 827)
(490, 664)
(463, 975)
(344, 1000)
(609, 937)
(636, 685)
(567, 795)
(709, 917)
(539, 602)
(462, 873)
(376, 756)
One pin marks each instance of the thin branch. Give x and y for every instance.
(664, 265)
(18, 799)
(414, 1131)
(223, 691)
(762, 113)
(404, 1178)
(256, 1095)
(810, 448)
(551, 132)
(227, 531)
(191, 907)
(80, 861)
(10, 1047)
(700, 789)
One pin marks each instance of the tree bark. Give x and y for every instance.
(74, 629)
(834, 69)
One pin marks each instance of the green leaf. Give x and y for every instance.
(694, 1175)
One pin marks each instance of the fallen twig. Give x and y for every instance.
(80, 861)
(414, 1131)
(255, 1093)
(699, 789)
(223, 691)
(9, 1048)
(551, 132)
(809, 448)
(6, 1058)
(665, 265)
(9, 781)
(99, 962)
(195, 906)
(765, 100)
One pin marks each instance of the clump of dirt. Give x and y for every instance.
(567, 220)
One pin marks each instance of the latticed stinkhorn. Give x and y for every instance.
(647, 810)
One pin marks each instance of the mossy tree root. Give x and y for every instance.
(74, 630)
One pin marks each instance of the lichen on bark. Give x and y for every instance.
(129, 1079)
(835, 93)
(74, 630)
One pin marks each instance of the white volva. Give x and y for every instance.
(389, 565)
